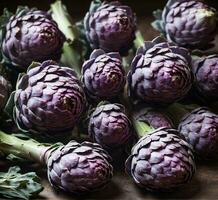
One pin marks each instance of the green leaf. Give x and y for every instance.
(158, 14)
(32, 65)
(13, 184)
(10, 105)
(95, 4)
(139, 39)
(158, 23)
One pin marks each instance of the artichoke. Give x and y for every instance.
(200, 129)
(110, 26)
(49, 99)
(160, 73)
(188, 23)
(205, 71)
(4, 92)
(153, 117)
(161, 160)
(103, 75)
(79, 168)
(110, 126)
(31, 35)
(74, 167)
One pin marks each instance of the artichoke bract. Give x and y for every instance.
(160, 73)
(4, 92)
(200, 129)
(161, 160)
(188, 23)
(31, 35)
(205, 71)
(110, 126)
(49, 99)
(79, 168)
(153, 117)
(110, 26)
(103, 75)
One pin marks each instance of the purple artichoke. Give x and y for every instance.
(49, 99)
(79, 168)
(31, 35)
(109, 126)
(110, 27)
(4, 92)
(161, 161)
(188, 23)
(200, 129)
(153, 117)
(103, 75)
(205, 71)
(160, 73)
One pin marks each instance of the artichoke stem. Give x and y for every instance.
(71, 56)
(141, 128)
(27, 149)
(177, 111)
(139, 40)
(63, 19)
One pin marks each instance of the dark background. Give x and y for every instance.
(79, 7)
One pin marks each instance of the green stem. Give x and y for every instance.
(63, 19)
(139, 40)
(71, 56)
(177, 111)
(141, 127)
(27, 149)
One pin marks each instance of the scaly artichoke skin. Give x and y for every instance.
(49, 99)
(200, 129)
(160, 73)
(161, 161)
(79, 168)
(111, 27)
(32, 35)
(4, 92)
(205, 71)
(153, 117)
(191, 24)
(103, 75)
(109, 126)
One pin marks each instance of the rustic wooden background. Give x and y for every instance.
(205, 183)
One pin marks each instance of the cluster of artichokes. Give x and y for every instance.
(116, 103)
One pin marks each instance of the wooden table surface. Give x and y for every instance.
(203, 186)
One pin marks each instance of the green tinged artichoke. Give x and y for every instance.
(188, 23)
